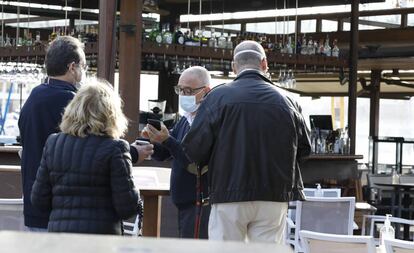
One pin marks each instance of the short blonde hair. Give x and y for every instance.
(95, 110)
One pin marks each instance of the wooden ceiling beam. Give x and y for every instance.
(327, 16)
(25, 20)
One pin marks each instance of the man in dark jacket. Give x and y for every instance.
(251, 136)
(193, 84)
(42, 113)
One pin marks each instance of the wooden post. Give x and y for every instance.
(374, 113)
(353, 75)
(107, 40)
(130, 62)
(166, 83)
(374, 109)
(242, 27)
(404, 20)
(319, 25)
(340, 24)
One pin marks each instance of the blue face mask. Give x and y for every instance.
(188, 103)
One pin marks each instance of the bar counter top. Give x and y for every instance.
(337, 157)
(10, 148)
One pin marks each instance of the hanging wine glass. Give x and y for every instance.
(280, 78)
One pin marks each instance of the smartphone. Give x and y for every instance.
(155, 123)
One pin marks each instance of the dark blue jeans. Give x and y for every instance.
(186, 221)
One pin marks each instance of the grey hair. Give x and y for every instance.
(198, 73)
(248, 54)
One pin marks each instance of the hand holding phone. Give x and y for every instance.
(155, 123)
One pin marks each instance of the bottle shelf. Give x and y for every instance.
(172, 50)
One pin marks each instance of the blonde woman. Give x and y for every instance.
(84, 178)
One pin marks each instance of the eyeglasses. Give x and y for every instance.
(85, 67)
(186, 90)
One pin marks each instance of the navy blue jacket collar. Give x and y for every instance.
(59, 84)
(253, 72)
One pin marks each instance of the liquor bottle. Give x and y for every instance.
(203, 39)
(263, 41)
(178, 36)
(335, 49)
(298, 46)
(222, 42)
(304, 49)
(80, 36)
(95, 34)
(23, 41)
(280, 48)
(188, 38)
(154, 33)
(288, 46)
(19, 42)
(315, 47)
(311, 48)
(8, 42)
(212, 42)
(80, 32)
(270, 45)
(166, 34)
(37, 40)
(320, 48)
(229, 43)
(327, 47)
(29, 39)
(158, 37)
(238, 39)
(197, 38)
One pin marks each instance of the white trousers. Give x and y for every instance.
(254, 221)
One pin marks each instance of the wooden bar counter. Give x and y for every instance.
(9, 155)
(320, 167)
(335, 170)
(153, 183)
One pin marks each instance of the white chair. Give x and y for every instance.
(398, 246)
(378, 193)
(326, 215)
(291, 215)
(326, 192)
(314, 242)
(407, 179)
(11, 214)
(375, 219)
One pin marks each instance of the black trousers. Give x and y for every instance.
(186, 221)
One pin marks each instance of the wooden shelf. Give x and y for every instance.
(186, 51)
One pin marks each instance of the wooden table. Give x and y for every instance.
(9, 155)
(153, 182)
(10, 181)
(24, 242)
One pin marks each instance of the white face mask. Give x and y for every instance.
(188, 103)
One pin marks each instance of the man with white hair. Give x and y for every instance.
(251, 137)
(192, 86)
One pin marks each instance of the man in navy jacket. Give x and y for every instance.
(192, 86)
(42, 113)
